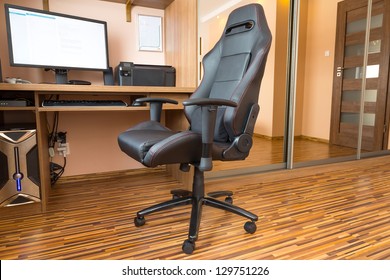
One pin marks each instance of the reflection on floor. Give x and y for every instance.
(266, 151)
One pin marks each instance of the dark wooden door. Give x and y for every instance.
(348, 72)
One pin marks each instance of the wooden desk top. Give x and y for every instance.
(40, 90)
(55, 88)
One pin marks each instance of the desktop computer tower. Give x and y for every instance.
(130, 74)
(19, 167)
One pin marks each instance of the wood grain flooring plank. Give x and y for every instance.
(335, 211)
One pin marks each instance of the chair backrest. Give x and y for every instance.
(233, 70)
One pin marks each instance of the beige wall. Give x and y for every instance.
(281, 44)
(122, 36)
(317, 29)
(92, 135)
(265, 120)
(318, 77)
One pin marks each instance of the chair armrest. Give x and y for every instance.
(155, 105)
(209, 108)
(209, 101)
(156, 99)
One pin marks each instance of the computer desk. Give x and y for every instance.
(38, 92)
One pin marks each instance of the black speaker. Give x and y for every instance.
(108, 77)
(19, 167)
(123, 73)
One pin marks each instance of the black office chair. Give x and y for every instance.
(222, 113)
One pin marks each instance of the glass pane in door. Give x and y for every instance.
(360, 25)
(358, 50)
(372, 71)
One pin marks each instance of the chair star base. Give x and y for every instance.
(197, 199)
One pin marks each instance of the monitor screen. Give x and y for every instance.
(56, 41)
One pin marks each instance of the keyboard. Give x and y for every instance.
(89, 103)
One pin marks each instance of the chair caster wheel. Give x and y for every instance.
(229, 199)
(188, 247)
(139, 221)
(250, 227)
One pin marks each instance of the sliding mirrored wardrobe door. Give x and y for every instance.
(341, 81)
(268, 151)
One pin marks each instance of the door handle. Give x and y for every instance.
(339, 71)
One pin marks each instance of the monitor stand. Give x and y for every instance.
(61, 76)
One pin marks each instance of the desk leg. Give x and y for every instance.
(43, 156)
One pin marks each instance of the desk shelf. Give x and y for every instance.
(87, 108)
(102, 108)
(38, 115)
(27, 108)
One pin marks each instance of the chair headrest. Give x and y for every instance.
(244, 17)
(246, 30)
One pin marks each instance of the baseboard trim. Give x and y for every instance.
(303, 137)
(110, 174)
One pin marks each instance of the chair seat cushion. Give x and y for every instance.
(182, 147)
(152, 144)
(136, 141)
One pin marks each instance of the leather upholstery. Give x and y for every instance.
(222, 114)
(233, 71)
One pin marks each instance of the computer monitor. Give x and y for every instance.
(55, 41)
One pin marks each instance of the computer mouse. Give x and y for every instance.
(16, 81)
(10, 80)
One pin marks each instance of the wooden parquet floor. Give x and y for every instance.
(265, 152)
(335, 211)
